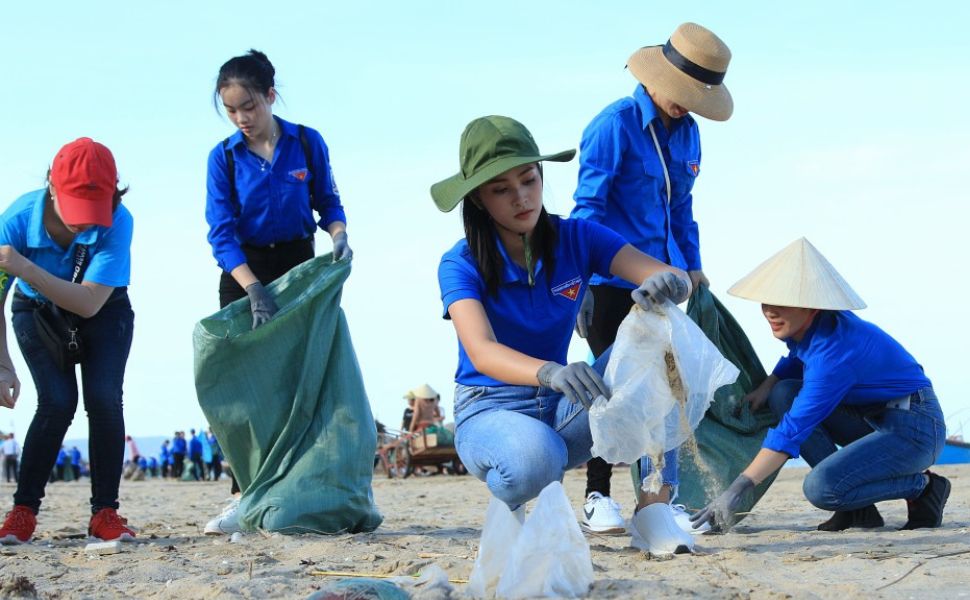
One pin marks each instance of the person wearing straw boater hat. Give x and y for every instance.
(849, 398)
(511, 287)
(639, 159)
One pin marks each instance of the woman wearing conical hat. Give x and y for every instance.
(849, 398)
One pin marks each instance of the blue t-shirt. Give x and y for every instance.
(75, 457)
(273, 197)
(179, 445)
(622, 184)
(535, 320)
(841, 359)
(109, 248)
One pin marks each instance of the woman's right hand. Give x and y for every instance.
(9, 386)
(577, 381)
(757, 397)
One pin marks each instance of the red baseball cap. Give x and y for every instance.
(85, 177)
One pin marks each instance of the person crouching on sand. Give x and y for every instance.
(846, 383)
(511, 287)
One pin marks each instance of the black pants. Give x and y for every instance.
(268, 264)
(76, 469)
(10, 468)
(199, 467)
(611, 306)
(178, 464)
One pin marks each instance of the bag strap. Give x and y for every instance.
(308, 156)
(660, 154)
(81, 256)
(231, 166)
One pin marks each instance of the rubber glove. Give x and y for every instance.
(260, 303)
(660, 286)
(577, 381)
(585, 316)
(721, 513)
(340, 248)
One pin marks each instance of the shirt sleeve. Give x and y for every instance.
(603, 244)
(600, 154)
(458, 280)
(111, 258)
(788, 367)
(684, 228)
(13, 232)
(326, 197)
(821, 393)
(221, 214)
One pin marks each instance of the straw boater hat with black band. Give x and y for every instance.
(489, 147)
(798, 276)
(689, 70)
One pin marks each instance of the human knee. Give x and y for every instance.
(821, 492)
(518, 485)
(782, 395)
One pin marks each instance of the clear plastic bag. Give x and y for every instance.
(548, 556)
(662, 373)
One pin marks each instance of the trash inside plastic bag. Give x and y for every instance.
(430, 584)
(547, 557)
(359, 589)
(663, 372)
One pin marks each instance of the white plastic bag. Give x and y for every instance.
(546, 557)
(662, 373)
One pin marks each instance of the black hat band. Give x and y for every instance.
(684, 65)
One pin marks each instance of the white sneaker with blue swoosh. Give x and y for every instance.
(601, 514)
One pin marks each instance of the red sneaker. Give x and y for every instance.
(107, 525)
(19, 526)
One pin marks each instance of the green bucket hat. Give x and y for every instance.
(489, 147)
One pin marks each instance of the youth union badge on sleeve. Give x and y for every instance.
(299, 174)
(570, 289)
(694, 166)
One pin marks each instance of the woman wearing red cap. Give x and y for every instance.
(69, 246)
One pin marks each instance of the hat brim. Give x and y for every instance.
(449, 192)
(654, 71)
(76, 211)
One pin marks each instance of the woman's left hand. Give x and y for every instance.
(697, 278)
(11, 261)
(659, 287)
(9, 387)
(341, 250)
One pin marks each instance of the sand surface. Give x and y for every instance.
(775, 553)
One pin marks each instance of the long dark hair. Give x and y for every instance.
(481, 238)
(252, 71)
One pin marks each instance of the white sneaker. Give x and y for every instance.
(654, 530)
(602, 515)
(227, 522)
(683, 520)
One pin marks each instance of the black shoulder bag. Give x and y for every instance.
(58, 328)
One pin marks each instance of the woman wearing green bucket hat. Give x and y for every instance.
(511, 287)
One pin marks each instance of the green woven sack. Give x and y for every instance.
(730, 435)
(288, 405)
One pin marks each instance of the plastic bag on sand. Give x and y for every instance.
(663, 373)
(546, 557)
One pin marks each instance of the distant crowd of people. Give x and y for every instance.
(192, 457)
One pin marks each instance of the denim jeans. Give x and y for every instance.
(883, 453)
(519, 439)
(107, 339)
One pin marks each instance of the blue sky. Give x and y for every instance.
(849, 128)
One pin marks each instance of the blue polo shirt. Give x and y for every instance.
(622, 185)
(535, 320)
(841, 359)
(109, 248)
(274, 198)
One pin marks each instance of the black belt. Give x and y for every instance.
(279, 245)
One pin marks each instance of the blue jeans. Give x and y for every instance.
(107, 339)
(883, 453)
(519, 439)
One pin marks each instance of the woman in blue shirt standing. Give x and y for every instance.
(264, 184)
(69, 245)
(511, 288)
(845, 383)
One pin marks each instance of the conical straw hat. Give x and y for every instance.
(798, 276)
(424, 391)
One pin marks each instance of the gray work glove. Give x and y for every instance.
(721, 513)
(577, 381)
(340, 248)
(585, 316)
(660, 286)
(260, 303)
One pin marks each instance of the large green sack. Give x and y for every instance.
(288, 405)
(730, 435)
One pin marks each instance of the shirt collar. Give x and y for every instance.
(648, 111)
(286, 128)
(37, 236)
(511, 272)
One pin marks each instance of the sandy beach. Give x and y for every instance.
(775, 553)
